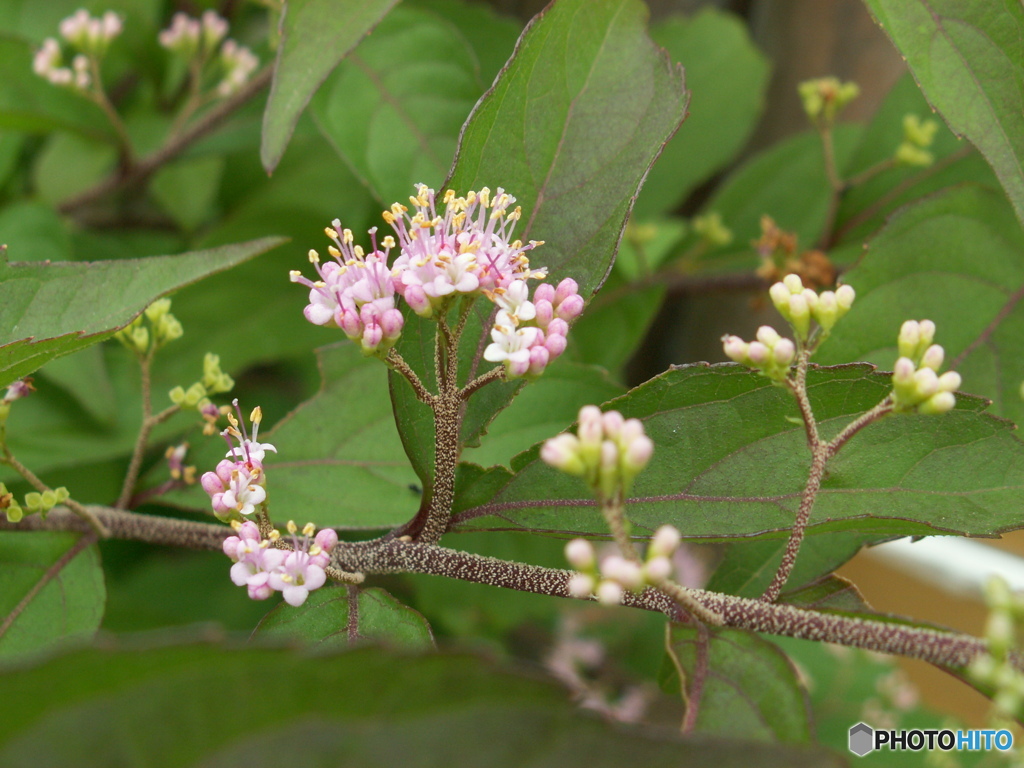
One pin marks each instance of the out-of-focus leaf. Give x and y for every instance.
(97, 708)
(967, 59)
(570, 128)
(742, 686)
(954, 258)
(49, 310)
(187, 189)
(827, 593)
(70, 164)
(333, 619)
(730, 461)
(315, 36)
(491, 35)
(11, 145)
(728, 76)
(51, 591)
(394, 107)
(34, 232)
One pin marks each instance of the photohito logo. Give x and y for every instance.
(865, 739)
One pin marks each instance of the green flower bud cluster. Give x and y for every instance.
(34, 502)
(146, 337)
(214, 382)
(918, 135)
(711, 230)
(825, 97)
(799, 305)
(608, 451)
(917, 385)
(996, 668)
(771, 354)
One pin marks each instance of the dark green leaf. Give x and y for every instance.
(70, 164)
(394, 107)
(827, 593)
(325, 622)
(954, 258)
(49, 310)
(570, 128)
(187, 189)
(730, 461)
(742, 686)
(967, 59)
(34, 232)
(728, 77)
(315, 36)
(51, 591)
(365, 707)
(491, 35)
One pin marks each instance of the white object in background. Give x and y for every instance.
(956, 565)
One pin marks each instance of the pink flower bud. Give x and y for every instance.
(539, 357)
(326, 539)
(571, 308)
(545, 312)
(419, 302)
(639, 453)
(926, 382)
(348, 320)
(558, 327)
(230, 546)
(211, 483)
(609, 593)
(544, 292)
(631, 430)
(581, 586)
(625, 572)
(612, 422)
(735, 348)
(562, 452)
(609, 456)
(372, 337)
(768, 336)
(391, 322)
(784, 352)
(903, 372)
(568, 287)
(933, 357)
(658, 569)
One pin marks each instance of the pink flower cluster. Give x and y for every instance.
(264, 569)
(237, 485)
(466, 250)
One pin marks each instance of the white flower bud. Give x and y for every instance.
(949, 381)
(942, 402)
(562, 452)
(665, 541)
(926, 382)
(793, 283)
(591, 427)
(736, 350)
(581, 586)
(625, 572)
(780, 294)
(903, 372)
(909, 339)
(768, 335)
(758, 353)
(933, 357)
(927, 331)
(580, 554)
(800, 314)
(612, 423)
(811, 298)
(784, 352)
(610, 593)
(844, 298)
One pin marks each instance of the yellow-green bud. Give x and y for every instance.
(158, 309)
(712, 230)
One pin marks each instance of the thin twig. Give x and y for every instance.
(495, 374)
(397, 363)
(30, 477)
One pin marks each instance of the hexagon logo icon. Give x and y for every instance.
(862, 739)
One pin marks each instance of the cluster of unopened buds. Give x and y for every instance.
(199, 39)
(918, 136)
(146, 337)
(608, 451)
(825, 97)
(35, 502)
(614, 575)
(196, 396)
(237, 487)
(264, 568)
(917, 385)
(468, 250)
(996, 668)
(90, 36)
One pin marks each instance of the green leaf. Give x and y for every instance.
(570, 127)
(394, 107)
(730, 461)
(70, 164)
(336, 618)
(954, 258)
(543, 409)
(364, 707)
(51, 591)
(49, 310)
(315, 36)
(742, 686)
(35, 232)
(747, 567)
(967, 59)
(728, 77)
(827, 593)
